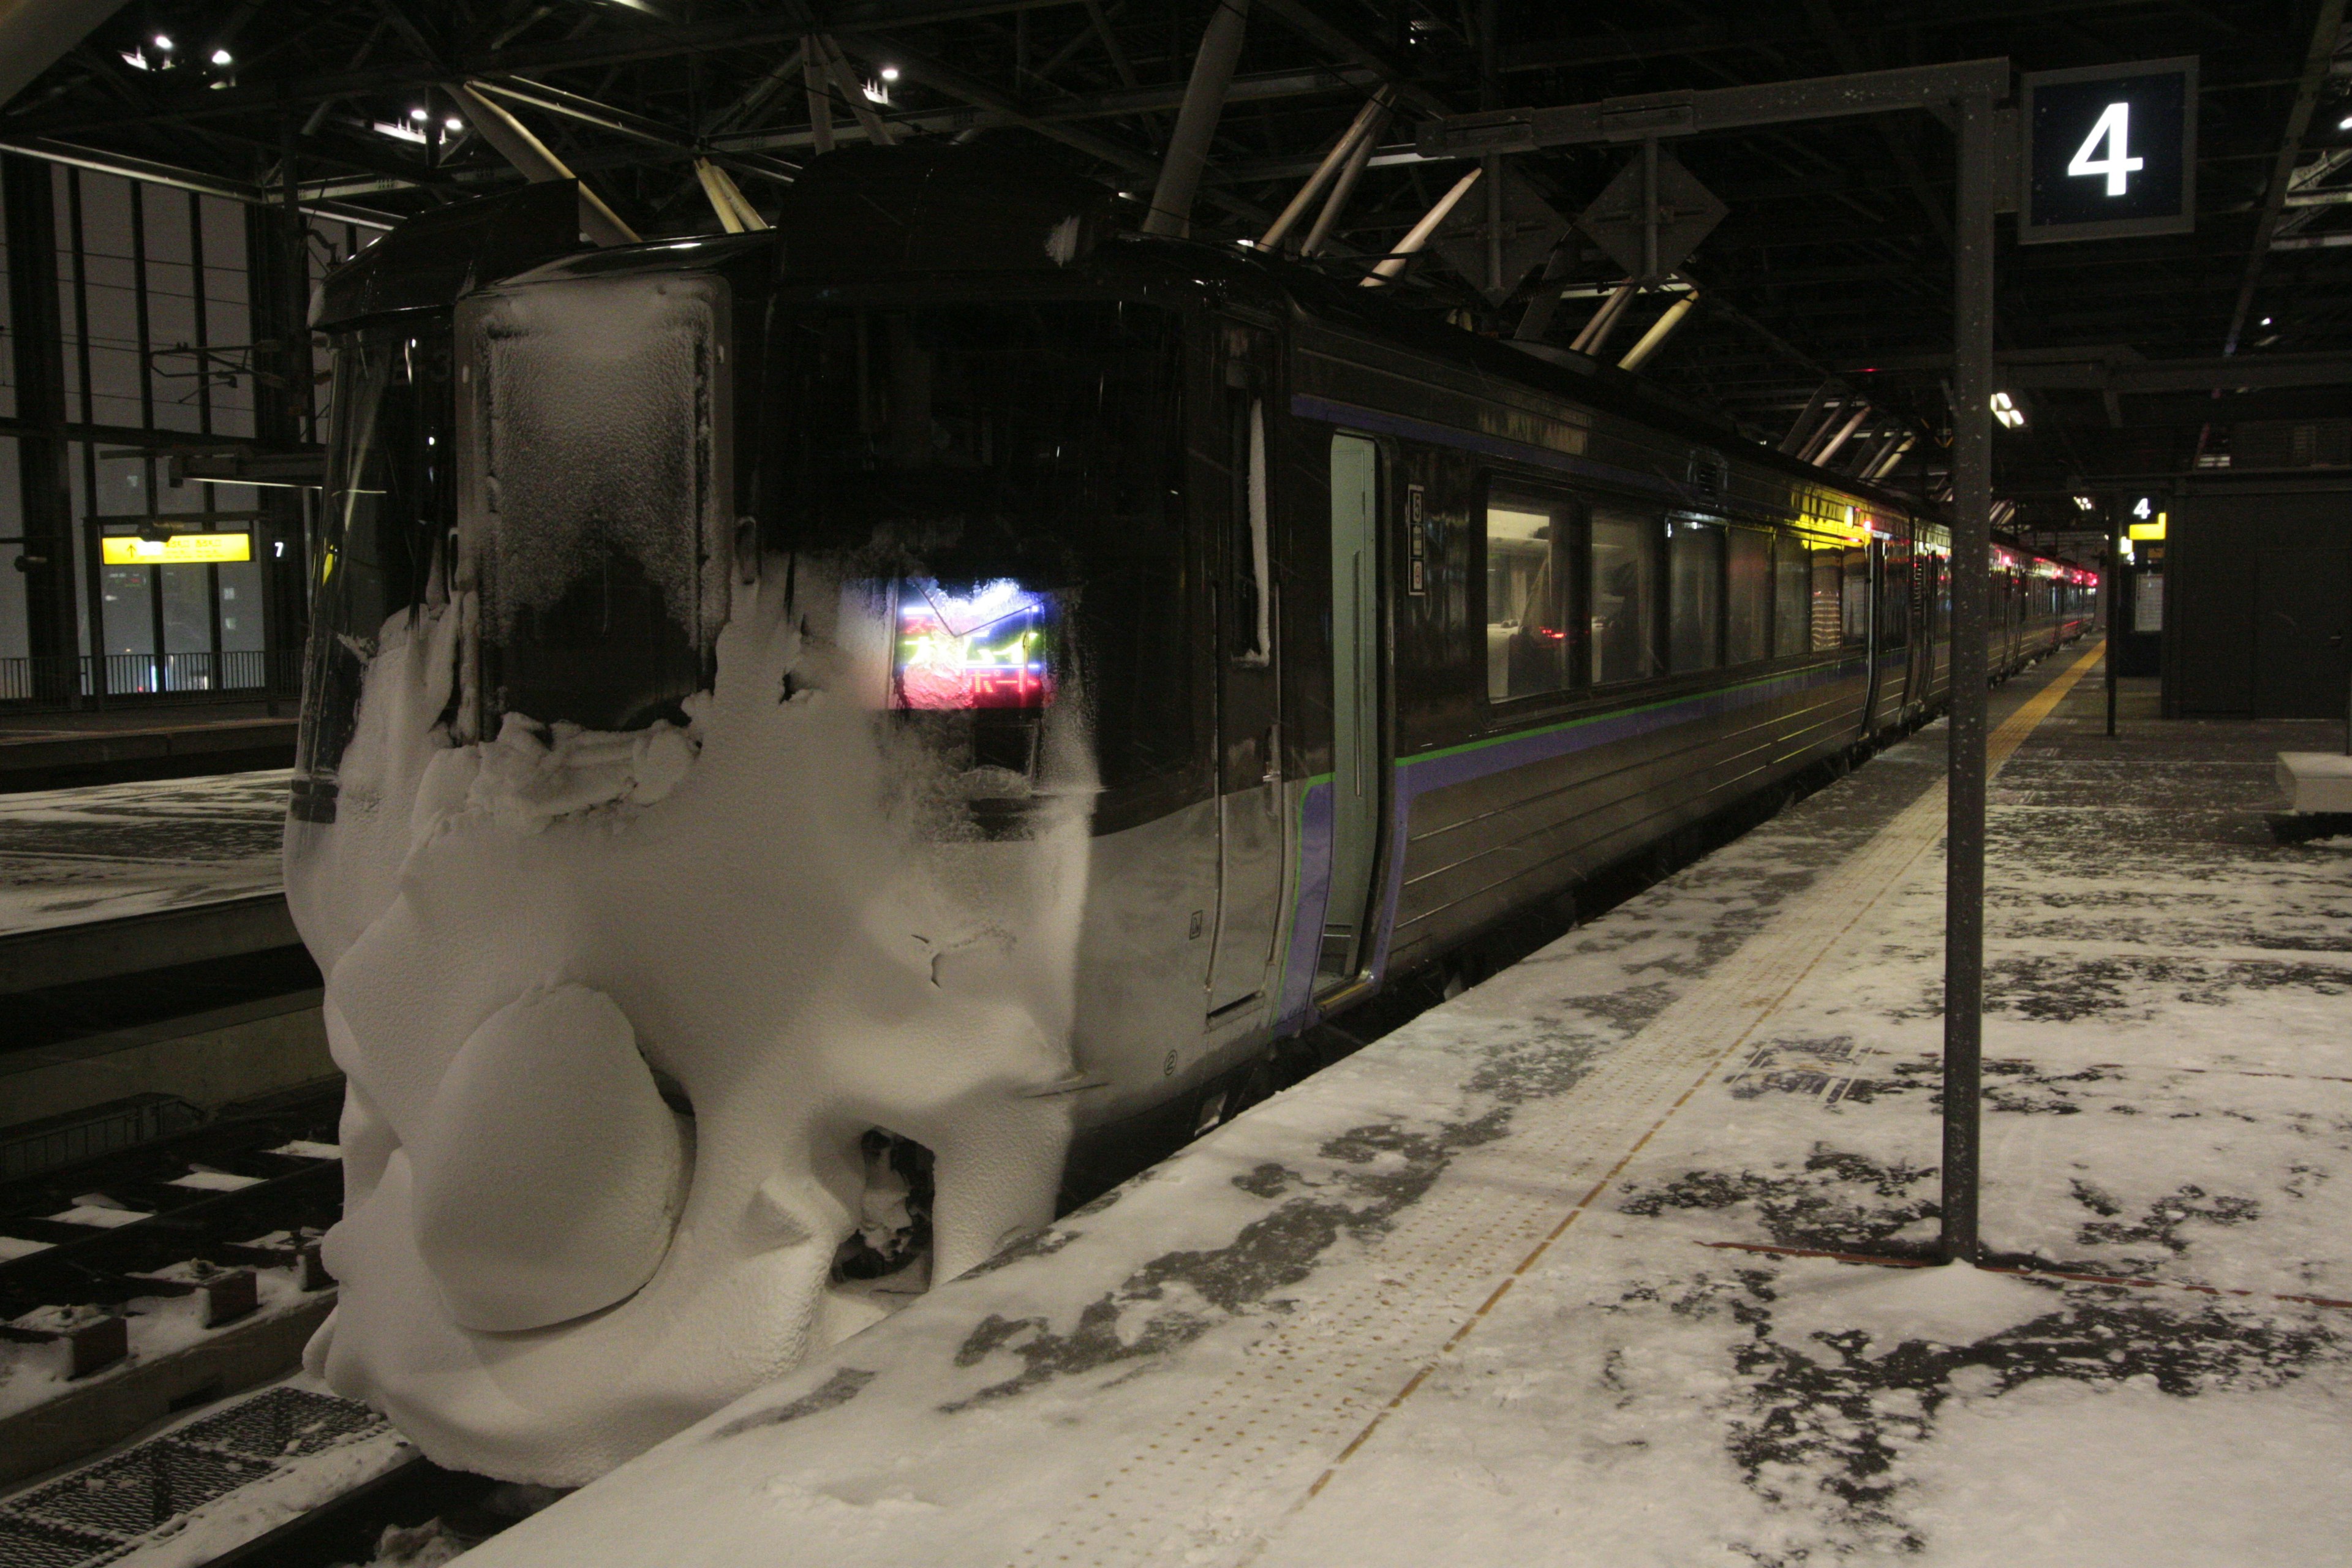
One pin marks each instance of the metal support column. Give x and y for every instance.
(2108, 600)
(1964, 840)
(44, 493)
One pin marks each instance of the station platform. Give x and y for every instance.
(42, 750)
(146, 952)
(1564, 1271)
(73, 857)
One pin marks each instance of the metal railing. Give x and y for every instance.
(50, 680)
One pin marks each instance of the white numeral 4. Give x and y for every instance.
(2114, 129)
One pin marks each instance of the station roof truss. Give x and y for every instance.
(1824, 292)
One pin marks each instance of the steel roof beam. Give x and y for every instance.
(1642, 116)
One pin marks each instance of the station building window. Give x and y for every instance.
(1747, 597)
(1624, 595)
(1528, 604)
(1695, 581)
(1791, 595)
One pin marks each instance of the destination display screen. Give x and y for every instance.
(987, 648)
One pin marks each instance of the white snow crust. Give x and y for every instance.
(781, 910)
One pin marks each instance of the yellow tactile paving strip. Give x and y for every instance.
(1276, 1425)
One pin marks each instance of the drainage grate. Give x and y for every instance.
(96, 1514)
(283, 1423)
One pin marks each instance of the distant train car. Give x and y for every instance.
(937, 691)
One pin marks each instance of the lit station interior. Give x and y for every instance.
(1191, 782)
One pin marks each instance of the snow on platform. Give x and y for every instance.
(1544, 1275)
(72, 856)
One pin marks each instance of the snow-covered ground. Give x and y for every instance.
(109, 850)
(1539, 1278)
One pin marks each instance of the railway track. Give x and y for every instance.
(176, 1256)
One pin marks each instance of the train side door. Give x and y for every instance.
(1251, 853)
(1874, 579)
(1356, 770)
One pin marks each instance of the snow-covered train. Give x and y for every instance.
(816, 741)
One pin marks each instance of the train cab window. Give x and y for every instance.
(1624, 578)
(1526, 595)
(1792, 592)
(1747, 597)
(1829, 595)
(1694, 580)
(1857, 596)
(1037, 444)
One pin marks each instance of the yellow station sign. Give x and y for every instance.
(175, 550)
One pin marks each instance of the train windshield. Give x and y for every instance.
(1013, 468)
(381, 550)
(595, 508)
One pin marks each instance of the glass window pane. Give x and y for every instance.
(1695, 581)
(187, 628)
(1829, 616)
(1792, 599)
(1747, 609)
(1624, 595)
(240, 613)
(7, 360)
(1894, 596)
(1857, 596)
(170, 308)
(1527, 598)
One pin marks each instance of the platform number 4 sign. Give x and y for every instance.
(2109, 152)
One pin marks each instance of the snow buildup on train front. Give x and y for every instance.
(697, 897)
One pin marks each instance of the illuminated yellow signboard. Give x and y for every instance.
(175, 550)
(2149, 530)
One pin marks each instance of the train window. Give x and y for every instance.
(1792, 595)
(1829, 575)
(598, 508)
(1747, 597)
(1527, 596)
(1857, 596)
(1624, 578)
(1695, 578)
(381, 548)
(1895, 594)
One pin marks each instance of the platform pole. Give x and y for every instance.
(1964, 834)
(2108, 600)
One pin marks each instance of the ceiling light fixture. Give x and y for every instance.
(420, 115)
(890, 73)
(221, 57)
(163, 42)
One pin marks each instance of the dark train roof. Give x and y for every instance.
(867, 213)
